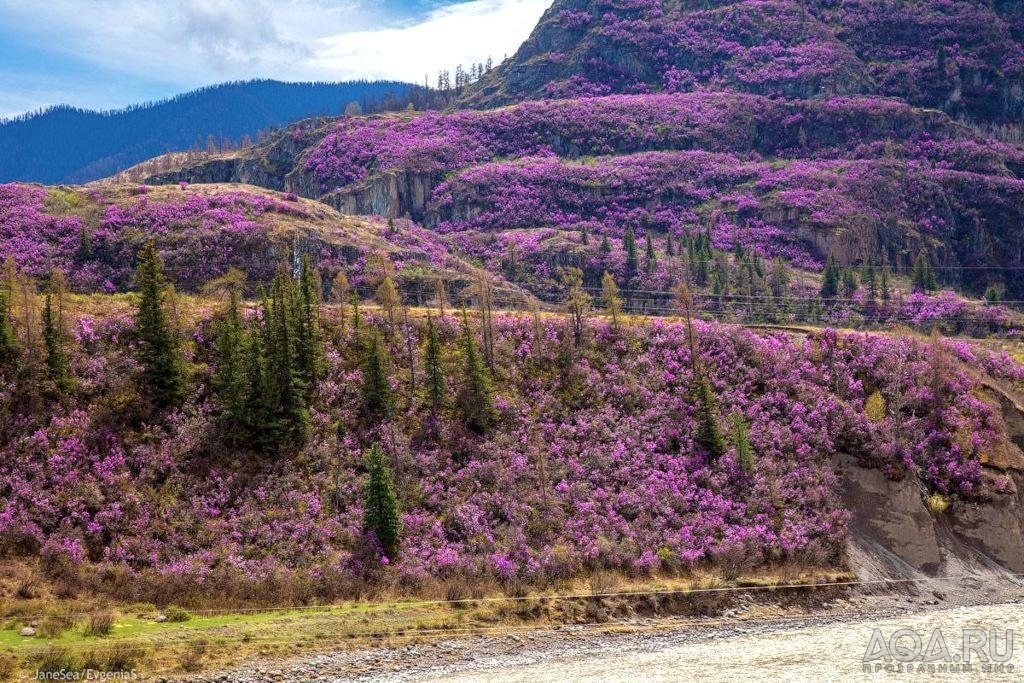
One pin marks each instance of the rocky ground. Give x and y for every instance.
(539, 653)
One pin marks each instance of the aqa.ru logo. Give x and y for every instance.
(976, 649)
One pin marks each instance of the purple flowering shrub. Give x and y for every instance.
(860, 127)
(200, 232)
(593, 465)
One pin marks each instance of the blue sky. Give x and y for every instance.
(104, 54)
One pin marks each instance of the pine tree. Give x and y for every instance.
(308, 336)
(163, 370)
(256, 409)
(629, 245)
(870, 278)
(357, 319)
(340, 289)
(230, 374)
(850, 284)
(57, 368)
(649, 252)
(708, 433)
(606, 247)
(381, 515)
(830, 279)
(884, 280)
(8, 335)
(670, 249)
(923, 277)
(475, 401)
(779, 279)
(436, 385)
(612, 300)
(377, 398)
(741, 441)
(286, 391)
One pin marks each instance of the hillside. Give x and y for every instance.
(94, 235)
(594, 457)
(862, 178)
(965, 57)
(68, 145)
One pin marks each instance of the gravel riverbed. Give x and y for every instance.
(746, 643)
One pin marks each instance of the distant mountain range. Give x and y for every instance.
(68, 145)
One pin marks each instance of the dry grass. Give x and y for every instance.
(101, 623)
(193, 656)
(9, 666)
(58, 619)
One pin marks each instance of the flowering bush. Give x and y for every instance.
(593, 465)
(200, 232)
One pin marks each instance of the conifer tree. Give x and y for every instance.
(629, 245)
(708, 433)
(57, 368)
(649, 252)
(703, 269)
(256, 410)
(381, 515)
(923, 277)
(8, 335)
(779, 279)
(741, 441)
(606, 247)
(670, 249)
(285, 389)
(884, 280)
(436, 386)
(830, 279)
(475, 401)
(377, 398)
(230, 375)
(870, 278)
(388, 297)
(308, 335)
(357, 320)
(612, 300)
(850, 284)
(163, 370)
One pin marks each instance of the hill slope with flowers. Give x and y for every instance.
(93, 235)
(863, 178)
(593, 461)
(965, 57)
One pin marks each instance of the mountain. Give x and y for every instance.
(68, 145)
(962, 56)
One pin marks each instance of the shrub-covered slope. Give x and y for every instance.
(596, 459)
(94, 235)
(962, 56)
(861, 177)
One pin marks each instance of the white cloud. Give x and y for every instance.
(457, 34)
(189, 43)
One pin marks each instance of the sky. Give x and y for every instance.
(103, 54)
